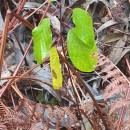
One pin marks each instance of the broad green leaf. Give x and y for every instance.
(55, 69)
(84, 27)
(81, 44)
(42, 37)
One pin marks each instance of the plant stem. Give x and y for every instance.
(87, 89)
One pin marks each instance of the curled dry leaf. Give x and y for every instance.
(116, 53)
(106, 25)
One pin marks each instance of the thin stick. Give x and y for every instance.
(26, 78)
(49, 4)
(18, 12)
(12, 98)
(29, 16)
(76, 91)
(18, 24)
(15, 87)
(87, 89)
(20, 46)
(24, 21)
(16, 70)
(3, 42)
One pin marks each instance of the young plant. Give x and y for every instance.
(80, 43)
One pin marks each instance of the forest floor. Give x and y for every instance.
(84, 100)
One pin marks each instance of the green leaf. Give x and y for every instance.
(55, 69)
(51, 0)
(42, 37)
(84, 26)
(80, 41)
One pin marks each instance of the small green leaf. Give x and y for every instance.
(55, 69)
(81, 44)
(51, 0)
(42, 37)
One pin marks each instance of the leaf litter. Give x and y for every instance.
(18, 94)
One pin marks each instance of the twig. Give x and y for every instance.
(18, 24)
(26, 78)
(16, 4)
(49, 4)
(87, 89)
(12, 98)
(20, 47)
(29, 15)
(4, 36)
(18, 12)
(25, 22)
(15, 87)
(16, 70)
